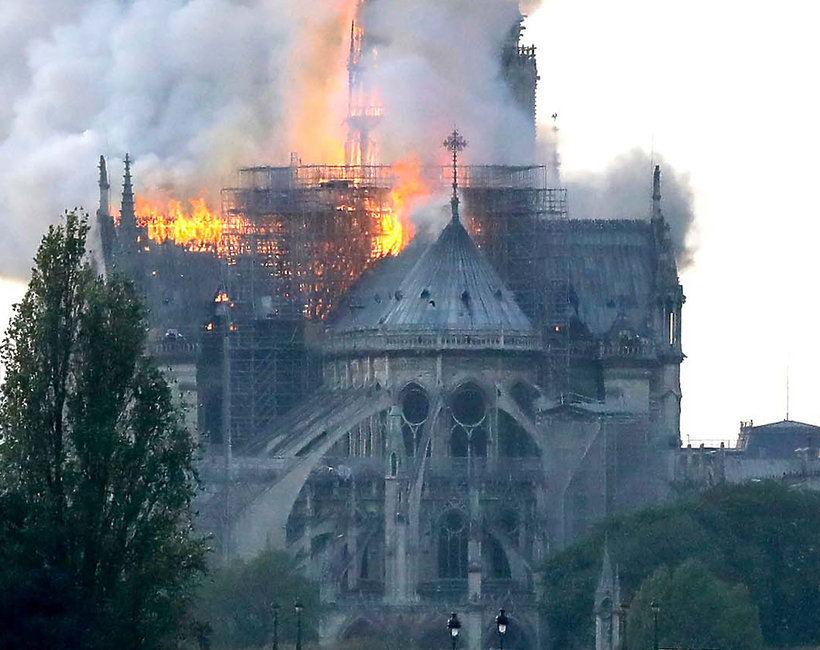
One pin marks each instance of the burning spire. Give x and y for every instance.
(455, 143)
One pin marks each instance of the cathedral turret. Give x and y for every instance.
(128, 218)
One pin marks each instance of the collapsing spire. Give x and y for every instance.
(455, 143)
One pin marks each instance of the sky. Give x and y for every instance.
(726, 92)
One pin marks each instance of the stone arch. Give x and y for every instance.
(514, 441)
(263, 521)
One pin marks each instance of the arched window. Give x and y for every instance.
(458, 442)
(409, 437)
(452, 546)
(478, 443)
(468, 405)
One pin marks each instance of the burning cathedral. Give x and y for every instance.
(420, 420)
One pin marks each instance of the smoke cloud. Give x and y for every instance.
(194, 89)
(624, 191)
(437, 65)
(191, 88)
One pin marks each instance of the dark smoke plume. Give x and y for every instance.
(624, 191)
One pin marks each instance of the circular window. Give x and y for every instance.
(453, 522)
(468, 405)
(415, 406)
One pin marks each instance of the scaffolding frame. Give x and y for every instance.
(296, 238)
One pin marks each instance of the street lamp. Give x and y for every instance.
(655, 611)
(275, 609)
(501, 623)
(453, 625)
(298, 607)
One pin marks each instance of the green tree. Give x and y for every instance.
(236, 601)
(696, 610)
(764, 535)
(96, 469)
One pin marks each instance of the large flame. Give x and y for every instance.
(395, 229)
(169, 220)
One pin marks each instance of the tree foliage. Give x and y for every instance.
(236, 601)
(696, 610)
(764, 536)
(96, 469)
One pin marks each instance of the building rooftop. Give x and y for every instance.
(778, 439)
(450, 286)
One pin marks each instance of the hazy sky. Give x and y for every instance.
(726, 92)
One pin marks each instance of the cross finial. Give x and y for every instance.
(454, 143)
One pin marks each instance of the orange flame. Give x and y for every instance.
(395, 229)
(168, 220)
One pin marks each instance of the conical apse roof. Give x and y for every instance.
(453, 287)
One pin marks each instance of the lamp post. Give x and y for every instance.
(298, 607)
(453, 626)
(501, 623)
(275, 609)
(655, 611)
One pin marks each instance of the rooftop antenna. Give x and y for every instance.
(455, 143)
(787, 393)
(556, 156)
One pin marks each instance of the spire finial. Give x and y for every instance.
(454, 143)
(127, 216)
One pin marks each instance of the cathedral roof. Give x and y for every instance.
(454, 287)
(450, 287)
(611, 270)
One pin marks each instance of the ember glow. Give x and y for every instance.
(195, 227)
(395, 225)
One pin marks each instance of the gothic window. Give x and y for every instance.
(478, 443)
(409, 440)
(672, 327)
(452, 546)
(468, 405)
(364, 569)
(458, 442)
(394, 464)
(415, 405)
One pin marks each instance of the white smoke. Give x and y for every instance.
(438, 64)
(191, 88)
